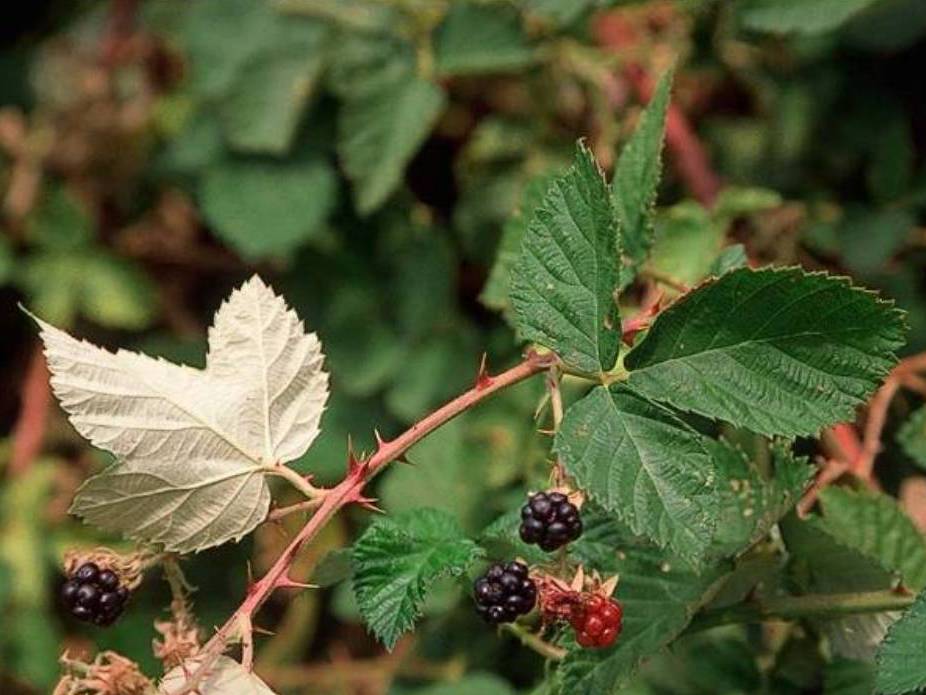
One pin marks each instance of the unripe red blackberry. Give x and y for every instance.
(504, 592)
(94, 595)
(597, 621)
(550, 520)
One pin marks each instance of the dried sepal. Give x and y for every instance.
(109, 673)
(130, 567)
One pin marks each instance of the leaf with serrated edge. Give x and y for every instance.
(778, 351)
(874, 525)
(398, 559)
(645, 465)
(193, 445)
(901, 666)
(636, 176)
(562, 286)
(226, 677)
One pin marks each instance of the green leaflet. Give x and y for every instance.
(901, 667)
(636, 179)
(912, 437)
(471, 684)
(380, 130)
(643, 464)
(263, 107)
(778, 351)
(563, 282)
(804, 16)
(873, 525)
(501, 47)
(267, 207)
(397, 560)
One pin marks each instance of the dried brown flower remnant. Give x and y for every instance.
(108, 674)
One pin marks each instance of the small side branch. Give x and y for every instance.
(797, 607)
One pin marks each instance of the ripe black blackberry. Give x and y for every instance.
(504, 592)
(550, 520)
(94, 595)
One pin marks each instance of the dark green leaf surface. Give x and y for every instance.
(901, 666)
(875, 526)
(397, 560)
(563, 282)
(379, 132)
(636, 177)
(643, 464)
(778, 351)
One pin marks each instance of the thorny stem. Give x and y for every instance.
(348, 491)
(794, 607)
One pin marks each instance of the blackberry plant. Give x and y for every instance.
(694, 401)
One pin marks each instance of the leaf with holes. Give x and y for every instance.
(563, 283)
(193, 446)
(643, 464)
(873, 525)
(397, 560)
(778, 351)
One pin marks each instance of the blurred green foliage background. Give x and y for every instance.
(369, 158)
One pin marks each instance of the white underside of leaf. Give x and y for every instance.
(193, 445)
(227, 677)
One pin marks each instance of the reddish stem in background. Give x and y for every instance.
(29, 430)
(689, 156)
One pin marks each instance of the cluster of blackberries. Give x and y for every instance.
(550, 520)
(504, 592)
(94, 595)
(597, 621)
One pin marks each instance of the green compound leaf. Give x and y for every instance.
(643, 464)
(873, 525)
(502, 44)
(659, 597)
(562, 286)
(778, 351)
(912, 437)
(901, 667)
(266, 207)
(397, 560)
(379, 132)
(636, 177)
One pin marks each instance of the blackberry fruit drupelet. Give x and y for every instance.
(504, 592)
(94, 595)
(550, 520)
